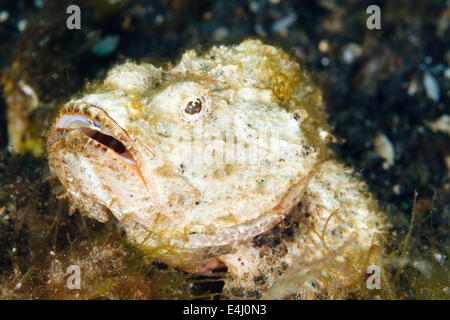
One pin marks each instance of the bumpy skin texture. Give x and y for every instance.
(200, 161)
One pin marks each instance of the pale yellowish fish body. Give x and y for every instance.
(198, 159)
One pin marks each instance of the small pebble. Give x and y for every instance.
(447, 163)
(254, 6)
(299, 52)
(39, 3)
(4, 15)
(351, 52)
(412, 88)
(384, 149)
(159, 19)
(106, 45)
(348, 56)
(260, 30)
(423, 266)
(397, 189)
(280, 26)
(44, 40)
(412, 38)
(207, 15)
(439, 257)
(325, 61)
(220, 34)
(443, 22)
(442, 124)
(447, 73)
(323, 134)
(431, 86)
(22, 24)
(323, 46)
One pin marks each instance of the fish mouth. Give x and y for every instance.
(106, 133)
(111, 143)
(99, 133)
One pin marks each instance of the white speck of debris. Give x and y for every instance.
(442, 124)
(260, 30)
(423, 266)
(447, 73)
(254, 6)
(29, 91)
(348, 56)
(22, 24)
(325, 61)
(159, 19)
(323, 46)
(44, 40)
(350, 52)
(299, 52)
(39, 3)
(323, 134)
(106, 45)
(220, 34)
(4, 15)
(439, 257)
(397, 189)
(412, 87)
(280, 26)
(431, 86)
(447, 163)
(412, 38)
(384, 149)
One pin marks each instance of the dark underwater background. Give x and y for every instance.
(392, 83)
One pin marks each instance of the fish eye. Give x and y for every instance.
(192, 110)
(193, 107)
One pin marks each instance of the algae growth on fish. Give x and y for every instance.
(221, 160)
